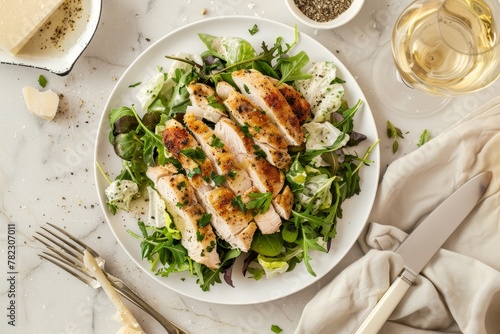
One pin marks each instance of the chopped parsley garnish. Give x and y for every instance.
(259, 152)
(204, 220)
(237, 202)
(424, 138)
(214, 103)
(254, 29)
(216, 142)
(193, 172)
(247, 90)
(244, 129)
(394, 133)
(134, 85)
(195, 154)
(260, 202)
(276, 329)
(180, 205)
(218, 179)
(42, 81)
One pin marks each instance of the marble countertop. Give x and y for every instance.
(46, 170)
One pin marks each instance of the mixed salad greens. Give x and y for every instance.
(324, 172)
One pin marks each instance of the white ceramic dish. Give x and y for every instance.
(246, 290)
(59, 58)
(342, 19)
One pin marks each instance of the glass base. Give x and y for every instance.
(398, 96)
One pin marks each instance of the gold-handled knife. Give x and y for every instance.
(421, 245)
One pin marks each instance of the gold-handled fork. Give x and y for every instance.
(66, 252)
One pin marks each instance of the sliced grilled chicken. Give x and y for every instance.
(265, 176)
(186, 212)
(204, 102)
(238, 233)
(186, 149)
(300, 107)
(263, 93)
(223, 161)
(267, 222)
(283, 203)
(231, 224)
(265, 134)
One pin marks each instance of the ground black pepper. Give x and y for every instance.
(72, 11)
(323, 10)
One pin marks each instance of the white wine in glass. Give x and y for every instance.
(446, 48)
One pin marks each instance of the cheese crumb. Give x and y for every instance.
(43, 104)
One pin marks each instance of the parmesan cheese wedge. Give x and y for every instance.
(19, 21)
(123, 315)
(43, 104)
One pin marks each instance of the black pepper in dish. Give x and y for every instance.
(72, 11)
(323, 10)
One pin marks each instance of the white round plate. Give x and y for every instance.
(355, 210)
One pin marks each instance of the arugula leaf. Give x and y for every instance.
(233, 50)
(179, 99)
(307, 156)
(291, 67)
(309, 242)
(208, 277)
(161, 246)
(346, 125)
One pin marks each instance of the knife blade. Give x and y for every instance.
(421, 245)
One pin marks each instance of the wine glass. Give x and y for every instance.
(441, 49)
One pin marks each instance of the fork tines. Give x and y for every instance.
(64, 250)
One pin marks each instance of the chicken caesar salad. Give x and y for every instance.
(240, 154)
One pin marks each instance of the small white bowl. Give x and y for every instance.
(342, 19)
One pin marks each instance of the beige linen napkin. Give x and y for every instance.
(459, 290)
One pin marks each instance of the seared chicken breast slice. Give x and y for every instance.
(263, 93)
(186, 212)
(300, 107)
(204, 102)
(230, 223)
(268, 222)
(223, 161)
(264, 176)
(265, 134)
(183, 147)
(283, 203)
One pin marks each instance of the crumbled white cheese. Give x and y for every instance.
(43, 104)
